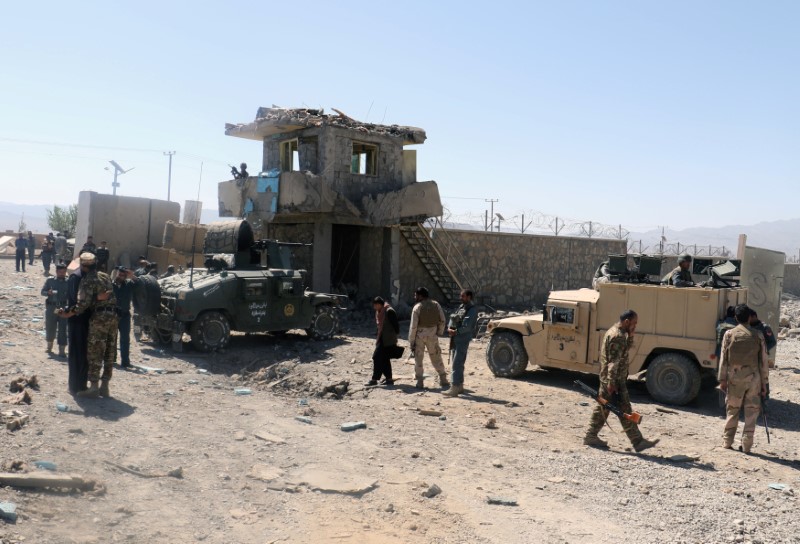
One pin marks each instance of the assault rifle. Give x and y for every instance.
(608, 405)
(764, 400)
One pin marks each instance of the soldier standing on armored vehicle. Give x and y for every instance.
(680, 275)
(461, 330)
(427, 323)
(613, 383)
(96, 294)
(744, 376)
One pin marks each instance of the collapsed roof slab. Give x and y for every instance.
(273, 121)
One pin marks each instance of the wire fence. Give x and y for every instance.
(536, 222)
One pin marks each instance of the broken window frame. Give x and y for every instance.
(290, 157)
(364, 156)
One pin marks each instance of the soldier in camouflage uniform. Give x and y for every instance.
(461, 329)
(427, 323)
(96, 294)
(55, 289)
(613, 383)
(744, 376)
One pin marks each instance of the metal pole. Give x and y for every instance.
(491, 201)
(114, 185)
(169, 179)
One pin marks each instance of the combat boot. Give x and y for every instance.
(643, 444)
(594, 441)
(454, 391)
(92, 393)
(49, 346)
(104, 392)
(420, 383)
(747, 443)
(62, 351)
(443, 381)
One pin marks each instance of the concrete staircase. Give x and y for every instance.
(440, 256)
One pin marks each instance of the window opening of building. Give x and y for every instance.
(290, 158)
(364, 159)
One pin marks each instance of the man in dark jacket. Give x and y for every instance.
(388, 329)
(31, 247)
(769, 336)
(21, 245)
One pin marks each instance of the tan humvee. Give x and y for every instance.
(675, 339)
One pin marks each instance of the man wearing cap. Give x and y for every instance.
(427, 323)
(55, 289)
(89, 246)
(681, 276)
(103, 255)
(96, 294)
(143, 266)
(123, 292)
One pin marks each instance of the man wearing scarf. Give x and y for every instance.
(388, 329)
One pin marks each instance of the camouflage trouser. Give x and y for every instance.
(623, 402)
(431, 343)
(744, 392)
(102, 345)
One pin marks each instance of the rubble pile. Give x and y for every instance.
(790, 317)
(309, 117)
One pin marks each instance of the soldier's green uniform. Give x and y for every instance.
(102, 342)
(743, 365)
(614, 371)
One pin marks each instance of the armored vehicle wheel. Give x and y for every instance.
(210, 331)
(147, 296)
(324, 323)
(673, 378)
(506, 355)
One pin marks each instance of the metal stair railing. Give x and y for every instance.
(422, 245)
(448, 249)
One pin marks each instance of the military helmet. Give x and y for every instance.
(685, 259)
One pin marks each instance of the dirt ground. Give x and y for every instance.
(253, 473)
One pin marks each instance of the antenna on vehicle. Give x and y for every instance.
(194, 231)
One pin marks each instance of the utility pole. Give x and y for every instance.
(491, 213)
(169, 179)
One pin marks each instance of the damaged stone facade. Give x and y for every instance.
(349, 183)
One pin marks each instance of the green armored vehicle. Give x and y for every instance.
(247, 286)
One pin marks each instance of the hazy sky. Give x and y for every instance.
(640, 113)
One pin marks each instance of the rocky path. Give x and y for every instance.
(245, 470)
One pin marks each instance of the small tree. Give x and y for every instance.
(63, 219)
(22, 225)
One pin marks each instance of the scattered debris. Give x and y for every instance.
(303, 419)
(14, 419)
(501, 501)
(8, 511)
(242, 391)
(46, 465)
(497, 464)
(434, 413)
(353, 425)
(680, 458)
(23, 397)
(334, 482)
(19, 384)
(491, 424)
(61, 407)
(665, 410)
(174, 473)
(337, 390)
(264, 473)
(41, 480)
(267, 437)
(777, 487)
(432, 491)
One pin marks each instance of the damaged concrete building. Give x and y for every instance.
(343, 186)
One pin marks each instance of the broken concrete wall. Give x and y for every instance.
(128, 224)
(791, 279)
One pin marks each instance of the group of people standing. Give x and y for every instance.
(86, 313)
(427, 325)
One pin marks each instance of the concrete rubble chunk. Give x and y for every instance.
(353, 425)
(264, 473)
(432, 491)
(334, 482)
(267, 437)
(501, 501)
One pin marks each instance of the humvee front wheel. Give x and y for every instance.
(210, 331)
(506, 355)
(324, 323)
(673, 378)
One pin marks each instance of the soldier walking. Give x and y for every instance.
(60, 247)
(47, 255)
(55, 289)
(613, 382)
(427, 324)
(31, 248)
(21, 244)
(96, 294)
(744, 376)
(461, 329)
